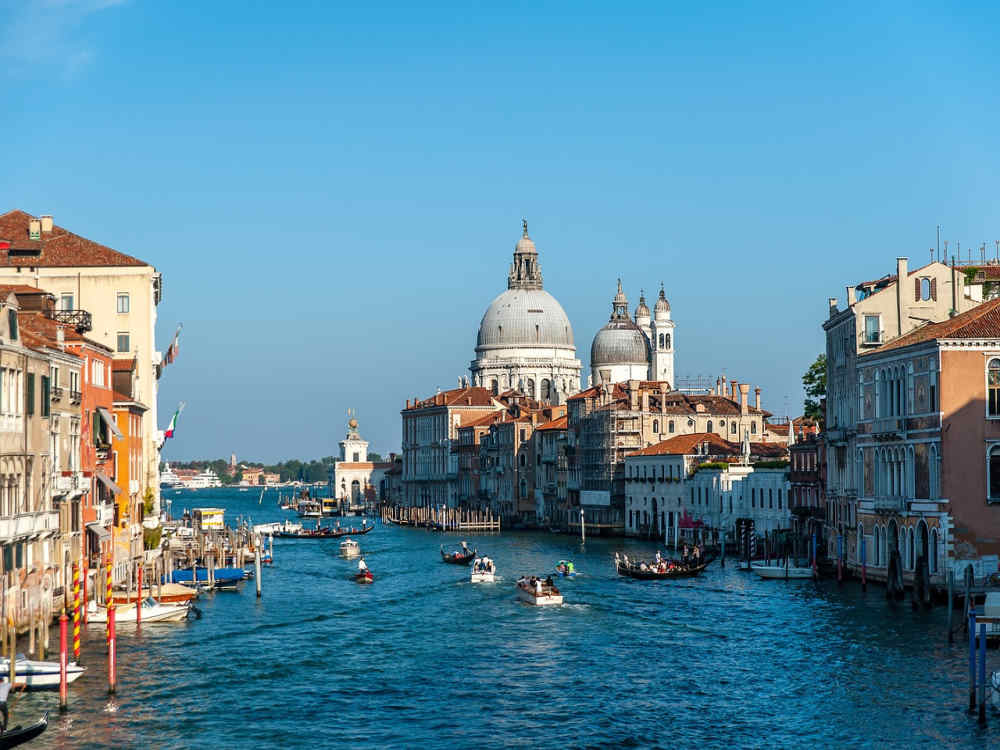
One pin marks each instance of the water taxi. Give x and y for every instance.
(782, 571)
(540, 593)
(350, 548)
(483, 570)
(151, 612)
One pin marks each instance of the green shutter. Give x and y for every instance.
(12, 324)
(45, 395)
(30, 393)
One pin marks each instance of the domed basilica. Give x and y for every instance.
(640, 349)
(525, 339)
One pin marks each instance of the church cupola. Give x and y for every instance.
(525, 271)
(619, 305)
(662, 308)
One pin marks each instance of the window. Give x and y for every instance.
(732, 427)
(656, 426)
(753, 428)
(925, 289)
(709, 426)
(122, 302)
(30, 391)
(993, 470)
(54, 376)
(97, 374)
(123, 342)
(993, 388)
(670, 426)
(873, 334)
(12, 324)
(661, 340)
(66, 302)
(666, 340)
(357, 456)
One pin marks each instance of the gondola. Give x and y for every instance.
(678, 571)
(364, 576)
(18, 735)
(456, 558)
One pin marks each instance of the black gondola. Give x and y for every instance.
(457, 558)
(18, 735)
(650, 574)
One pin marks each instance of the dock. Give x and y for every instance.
(441, 519)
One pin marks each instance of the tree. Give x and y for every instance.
(815, 384)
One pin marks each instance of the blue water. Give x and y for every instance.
(424, 658)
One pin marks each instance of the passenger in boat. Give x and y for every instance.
(362, 567)
(5, 688)
(569, 567)
(538, 587)
(684, 555)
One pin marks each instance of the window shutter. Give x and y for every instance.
(934, 289)
(916, 290)
(30, 393)
(45, 395)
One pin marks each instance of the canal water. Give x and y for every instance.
(424, 658)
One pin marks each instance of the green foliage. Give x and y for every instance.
(147, 502)
(151, 537)
(814, 382)
(970, 274)
(291, 470)
(778, 464)
(713, 465)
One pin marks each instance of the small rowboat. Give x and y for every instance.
(169, 593)
(151, 612)
(19, 735)
(458, 557)
(529, 593)
(364, 576)
(653, 572)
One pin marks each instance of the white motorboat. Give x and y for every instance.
(781, 571)
(40, 675)
(152, 611)
(483, 570)
(537, 592)
(350, 548)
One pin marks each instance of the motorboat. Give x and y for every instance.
(782, 571)
(167, 593)
(40, 675)
(657, 570)
(350, 548)
(309, 509)
(566, 569)
(18, 735)
(537, 591)
(125, 614)
(225, 578)
(461, 556)
(483, 570)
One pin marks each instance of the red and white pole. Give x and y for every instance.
(76, 612)
(63, 657)
(112, 652)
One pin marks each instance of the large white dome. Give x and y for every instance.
(524, 318)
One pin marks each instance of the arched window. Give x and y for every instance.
(670, 426)
(932, 553)
(925, 289)
(546, 389)
(993, 472)
(666, 340)
(909, 549)
(878, 547)
(732, 427)
(495, 387)
(531, 388)
(656, 426)
(661, 340)
(753, 428)
(993, 387)
(709, 426)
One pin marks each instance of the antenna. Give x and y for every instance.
(982, 251)
(932, 255)
(946, 251)
(997, 243)
(939, 241)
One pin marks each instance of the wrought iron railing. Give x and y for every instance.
(56, 393)
(81, 320)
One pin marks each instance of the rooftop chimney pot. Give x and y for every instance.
(46, 223)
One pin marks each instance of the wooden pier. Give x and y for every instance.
(441, 519)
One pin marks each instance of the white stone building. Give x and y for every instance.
(353, 474)
(525, 340)
(640, 349)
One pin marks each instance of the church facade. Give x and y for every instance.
(525, 339)
(353, 478)
(634, 349)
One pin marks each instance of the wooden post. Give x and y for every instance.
(982, 674)
(138, 601)
(972, 659)
(31, 630)
(840, 558)
(12, 634)
(63, 656)
(722, 562)
(583, 527)
(84, 572)
(951, 604)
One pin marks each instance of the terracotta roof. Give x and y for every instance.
(890, 278)
(979, 322)
(123, 365)
(36, 323)
(476, 395)
(6, 289)
(588, 393)
(60, 247)
(483, 421)
(556, 424)
(684, 445)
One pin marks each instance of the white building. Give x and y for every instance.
(691, 482)
(525, 340)
(640, 349)
(353, 474)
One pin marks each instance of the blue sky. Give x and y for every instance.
(333, 191)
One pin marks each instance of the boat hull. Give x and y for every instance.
(365, 577)
(19, 735)
(40, 675)
(483, 578)
(779, 572)
(529, 597)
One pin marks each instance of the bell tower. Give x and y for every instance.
(662, 341)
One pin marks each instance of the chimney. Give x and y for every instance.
(736, 390)
(722, 390)
(718, 386)
(61, 338)
(901, 279)
(46, 223)
(851, 296)
(633, 394)
(407, 403)
(645, 402)
(756, 393)
(744, 392)
(34, 229)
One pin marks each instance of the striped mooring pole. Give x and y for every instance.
(109, 601)
(76, 612)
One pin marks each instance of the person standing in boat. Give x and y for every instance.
(362, 567)
(5, 687)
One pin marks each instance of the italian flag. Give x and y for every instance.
(169, 432)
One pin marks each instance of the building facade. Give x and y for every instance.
(354, 480)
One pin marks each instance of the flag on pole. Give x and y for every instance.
(169, 432)
(174, 347)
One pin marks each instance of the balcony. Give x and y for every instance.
(889, 504)
(66, 483)
(873, 338)
(56, 393)
(29, 525)
(75, 397)
(81, 320)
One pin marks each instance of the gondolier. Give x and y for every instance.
(5, 688)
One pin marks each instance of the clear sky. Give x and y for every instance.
(333, 192)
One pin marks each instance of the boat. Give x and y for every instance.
(151, 612)
(203, 480)
(483, 570)
(169, 593)
(39, 675)
(18, 735)
(169, 479)
(782, 571)
(566, 569)
(225, 578)
(461, 556)
(350, 548)
(323, 532)
(309, 509)
(364, 576)
(660, 570)
(538, 592)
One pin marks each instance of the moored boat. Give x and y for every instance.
(168, 593)
(225, 578)
(461, 556)
(483, 570)
(540, 593)
(350, 548)
(18, 735)
(125, 614)
(782, 571)
(39, 675)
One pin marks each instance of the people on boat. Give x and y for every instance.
(5, 688)
(684, 555)
(538, 587)
(362, 567)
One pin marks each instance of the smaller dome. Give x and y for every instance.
(642, 311)
(662, 305)
(525, 244)
(620, 342)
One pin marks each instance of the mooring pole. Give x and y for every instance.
(840, 558)
(972, 658)
(583, 527)
(63, 658)
(951, 604)
(112, 652)
(864, 563)
(256, 569)
(982, 674)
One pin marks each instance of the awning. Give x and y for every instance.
(110, 422)
(101, 532)
(106, 481)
